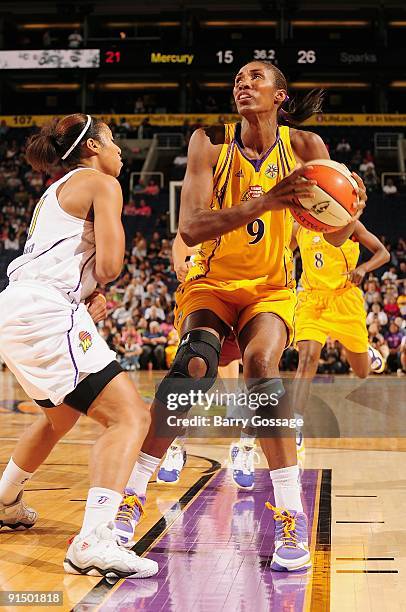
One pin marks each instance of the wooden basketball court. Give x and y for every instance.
(214, 543)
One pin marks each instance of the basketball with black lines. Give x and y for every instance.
(335, 197)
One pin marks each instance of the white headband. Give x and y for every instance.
(78, 139)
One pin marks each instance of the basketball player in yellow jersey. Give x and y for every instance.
(239, 184)
(331, 304)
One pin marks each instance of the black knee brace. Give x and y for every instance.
(196, 343)
(270, 386)
(264, 395)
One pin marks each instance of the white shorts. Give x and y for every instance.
(48, 343)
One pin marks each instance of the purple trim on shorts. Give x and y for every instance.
(71, 352)
(43, 253)
(257, 163)
(81, 273)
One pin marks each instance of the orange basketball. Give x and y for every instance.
(335, 201)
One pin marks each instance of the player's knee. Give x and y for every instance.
(49, 429)
(259, 361)
(138, 418)
(197, 367)
(194, 367)
(130, 415)
(54, 430)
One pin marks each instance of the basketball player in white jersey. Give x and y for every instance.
(49, 341)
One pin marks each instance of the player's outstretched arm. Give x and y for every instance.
(198, 223)
(107, 201)
(374, 245)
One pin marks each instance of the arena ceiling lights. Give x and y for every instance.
(329, 84)
(125, 86)
(48, 87)
(300, 84)
(54, 26)
(330, 23)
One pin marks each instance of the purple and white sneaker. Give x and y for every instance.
(128, 516)
(377, 361)
(243, 458)
(291, 541)
(172, 465)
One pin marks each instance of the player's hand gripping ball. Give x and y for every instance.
(336, 197)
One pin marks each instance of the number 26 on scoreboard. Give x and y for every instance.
(306, 57)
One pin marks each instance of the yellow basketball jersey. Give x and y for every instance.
(257, 253)
(324, 265)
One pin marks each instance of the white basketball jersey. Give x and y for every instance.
(60, 250)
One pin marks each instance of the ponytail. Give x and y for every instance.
(300, 110)
(41, 151)
(46, 149)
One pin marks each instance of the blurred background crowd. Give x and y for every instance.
(139, 325)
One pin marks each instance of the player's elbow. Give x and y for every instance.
(335, 240)
(385, 255)
(189, 234)
(106, 272)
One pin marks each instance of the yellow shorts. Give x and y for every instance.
(339, 314)
(234, 303)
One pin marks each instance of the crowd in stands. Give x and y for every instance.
(139, 324)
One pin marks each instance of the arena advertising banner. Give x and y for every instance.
(49, 58)
(212, 119)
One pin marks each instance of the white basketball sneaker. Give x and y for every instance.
(99, 554)
(17, 515)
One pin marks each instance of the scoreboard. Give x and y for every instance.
(230, 59)
(126, 57)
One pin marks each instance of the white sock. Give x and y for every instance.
(12, 482)
(180, 440)
(247, 439)
(298, 416)
(287, 488)
(101, 507)
(143, 469)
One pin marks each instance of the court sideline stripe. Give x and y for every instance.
(313, 539)
(320, 595)
(148, 539)
(356, 496)
(365, 558)
(366, 571)
(359, 522)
